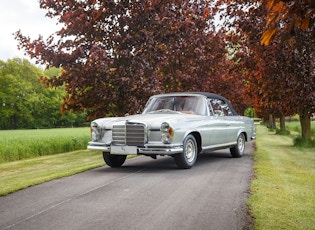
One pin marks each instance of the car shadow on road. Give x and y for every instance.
(141, 163)
(218, 156)
(164, 163)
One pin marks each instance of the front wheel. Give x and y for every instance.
(188, 157)
(239, 149)
(114, 161)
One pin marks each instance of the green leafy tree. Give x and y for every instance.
(27, 104)
(19, 80)
(6, 100)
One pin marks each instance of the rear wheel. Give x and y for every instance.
(114, 161)
(239, 149)
(188, 157)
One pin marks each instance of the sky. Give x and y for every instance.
(24, 15)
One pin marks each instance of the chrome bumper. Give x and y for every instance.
(98, 146)
(162, 151)
(146, 150)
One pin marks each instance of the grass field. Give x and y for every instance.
(296, 127)
(282, 192)
(24, 144)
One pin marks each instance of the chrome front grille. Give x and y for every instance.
(132, 134)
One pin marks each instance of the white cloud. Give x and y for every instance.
(24, 15)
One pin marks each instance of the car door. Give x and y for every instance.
(220, 132)
(234, 123)
(217, 125)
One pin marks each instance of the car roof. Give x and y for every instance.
(211, 95)
(205, 94)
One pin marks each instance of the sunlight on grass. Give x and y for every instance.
(283, 194)
(25, 173)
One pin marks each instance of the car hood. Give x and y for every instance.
(153, 121)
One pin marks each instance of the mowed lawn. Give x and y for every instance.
(30, 157)
(283, 190)
(25, 173)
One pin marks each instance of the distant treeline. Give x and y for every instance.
(27, 104)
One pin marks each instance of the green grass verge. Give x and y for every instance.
(25, 173)
(283, 190)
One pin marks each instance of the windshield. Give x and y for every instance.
(180, 104)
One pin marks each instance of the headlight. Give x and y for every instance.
(94, 131)
(165, 127)
(167, 133)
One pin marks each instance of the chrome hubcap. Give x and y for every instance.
(190, 151)
(241, 144)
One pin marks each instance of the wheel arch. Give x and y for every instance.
(243, 132)
(197, 136)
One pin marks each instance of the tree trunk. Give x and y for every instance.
(282, 122)
(305, 121)
(272, 123)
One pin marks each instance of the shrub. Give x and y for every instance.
(304, 143)
(282, 132)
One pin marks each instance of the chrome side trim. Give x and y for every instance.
(220, 146)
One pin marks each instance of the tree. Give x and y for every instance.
(303, 79)
(287, 16)
(115, 54)
(280, 76)
(6, 111)
(296, 21)
(296, 68)
(27, 104)
(18, 87)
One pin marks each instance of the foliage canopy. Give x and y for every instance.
(281, 76)
(26, 104)
(115, 54)
(287, 16)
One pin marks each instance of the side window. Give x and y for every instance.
(226, 110)
(210, 107)
(220, 108)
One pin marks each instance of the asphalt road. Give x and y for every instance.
(143, 194)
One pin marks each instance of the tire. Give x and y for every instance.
(114, 161)
(188, 157)
(238, 150)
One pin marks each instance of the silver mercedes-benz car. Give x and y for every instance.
(181, 125)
